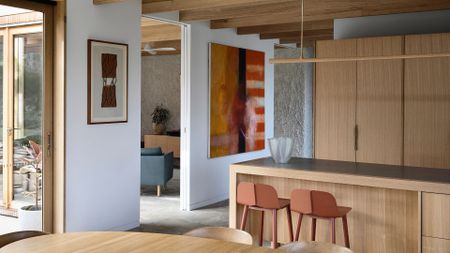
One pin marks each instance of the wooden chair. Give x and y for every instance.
(319, 205)
(314, 247)
(223, 234)
(6, 239)
(263, 198)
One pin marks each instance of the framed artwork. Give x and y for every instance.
(107, 82)
(236, 100)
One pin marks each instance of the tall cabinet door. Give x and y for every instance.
(427, 102)
(379, 108)
(335, 98)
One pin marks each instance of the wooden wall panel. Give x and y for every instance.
(427, 102)
(435, 245)
(379, 103)
(335, 98)
(382, 220)
(436, 215)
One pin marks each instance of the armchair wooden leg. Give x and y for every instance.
(158, 190)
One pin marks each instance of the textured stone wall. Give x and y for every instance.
(160, 85)
(294, 101)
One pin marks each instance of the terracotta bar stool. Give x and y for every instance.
(319, 205)
(263, 198)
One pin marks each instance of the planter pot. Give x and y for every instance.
(159, 128)
(30, 219)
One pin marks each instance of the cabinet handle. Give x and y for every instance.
(356, 137)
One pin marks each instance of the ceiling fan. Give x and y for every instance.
(148, 48)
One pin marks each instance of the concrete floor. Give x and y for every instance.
(163, 215)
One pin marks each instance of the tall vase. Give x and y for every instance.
(281, 149)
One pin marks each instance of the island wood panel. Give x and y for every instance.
(379, 106)
(165, 142)
(335, 98)
(436, 215)
(435, 245)
(427, 102)
(382, 220)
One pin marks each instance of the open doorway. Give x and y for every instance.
(165, 84)
(26, 116)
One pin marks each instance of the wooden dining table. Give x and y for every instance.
(125, 242)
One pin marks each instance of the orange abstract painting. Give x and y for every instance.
(236, 101)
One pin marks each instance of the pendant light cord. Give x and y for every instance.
(301, 31)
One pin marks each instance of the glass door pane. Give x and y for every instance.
(27, 157)
(1, 117)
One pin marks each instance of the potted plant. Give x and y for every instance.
(160, 116)
(30, 216)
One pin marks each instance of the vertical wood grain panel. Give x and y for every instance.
(379, 103)
(381, 220)
(436, 215)
(335, 97)
(427, 102)
(435, 245)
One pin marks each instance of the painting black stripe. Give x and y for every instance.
(242, 91)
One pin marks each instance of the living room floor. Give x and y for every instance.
(163, 215)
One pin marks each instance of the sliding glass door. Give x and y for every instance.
(26, 118)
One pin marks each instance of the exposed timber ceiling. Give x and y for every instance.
(280, 19)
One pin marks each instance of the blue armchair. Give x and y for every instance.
(156, 167)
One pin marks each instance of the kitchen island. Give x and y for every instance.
(394, 208)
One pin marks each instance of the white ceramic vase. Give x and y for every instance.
(281, 149)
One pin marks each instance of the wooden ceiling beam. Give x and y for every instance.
(149, 6)
(296, 34)
(288, 27)
(238, 11)
(168, 43)
(99, 2)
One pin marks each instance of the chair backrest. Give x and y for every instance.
(266, 196)
(324, 204)
(17, 236)
(301, 201)
(313, 247)
(223, 234)
(151, 151)
(246, 194)
(318, 203)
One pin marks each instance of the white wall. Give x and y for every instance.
(102, 161)
(209, 178)
(395, 24)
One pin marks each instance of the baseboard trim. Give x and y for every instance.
(196, 205)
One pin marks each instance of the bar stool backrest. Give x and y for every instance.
(266, 196)
(246, 194)
(324, 204)
(317, 203)
(301, 201)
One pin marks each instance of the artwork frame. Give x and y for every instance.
(107, 82)
(236, 100)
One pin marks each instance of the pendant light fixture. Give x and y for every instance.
(301, 59)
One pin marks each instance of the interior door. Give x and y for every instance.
(335, 102)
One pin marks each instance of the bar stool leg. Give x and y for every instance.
(333, 230)
(299, 224)
(244, 217)
(274, 229)
(313, 229)
(261, 230)
(289, 218)
(345, 225)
